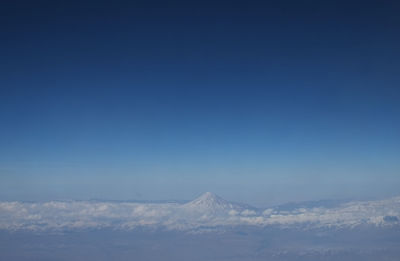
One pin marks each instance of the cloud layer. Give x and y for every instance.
(207, 211)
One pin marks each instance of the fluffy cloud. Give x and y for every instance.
(57, 215)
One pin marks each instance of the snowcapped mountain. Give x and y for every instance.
(208, 210)
(211, 203)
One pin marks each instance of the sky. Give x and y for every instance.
(257, 101)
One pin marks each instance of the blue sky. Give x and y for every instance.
(258, 102)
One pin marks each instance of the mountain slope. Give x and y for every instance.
(211, 203)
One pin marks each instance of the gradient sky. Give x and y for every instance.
(262, 102)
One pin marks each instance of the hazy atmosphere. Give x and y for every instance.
(262, 101)
(116, 118)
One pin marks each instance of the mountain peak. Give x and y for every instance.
(208, 196)
(210, 202)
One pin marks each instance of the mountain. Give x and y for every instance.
(209, 202)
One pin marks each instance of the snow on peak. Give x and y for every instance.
(212, 203)
(208, 199)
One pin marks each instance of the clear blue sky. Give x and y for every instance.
(262, 102)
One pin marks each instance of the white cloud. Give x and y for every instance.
(58, 215)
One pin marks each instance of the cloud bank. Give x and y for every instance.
(207, 211)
